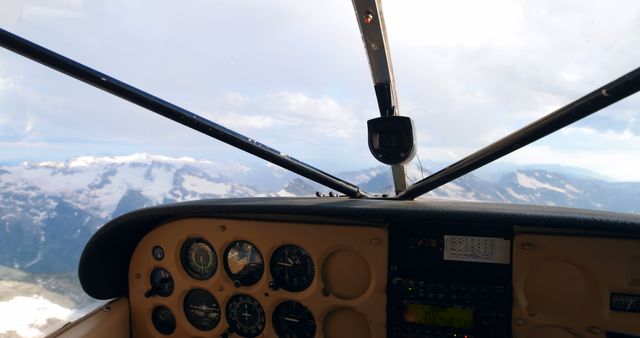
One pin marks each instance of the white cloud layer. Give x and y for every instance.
(293, 75)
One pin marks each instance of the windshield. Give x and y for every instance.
(294, 76)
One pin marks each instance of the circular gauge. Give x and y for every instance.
(199, 258)
(243, 262)
(292, 268)
(202, 309)
(158, 252)
(293, 320)
(245, 316)
(161, 283)
(163, 320)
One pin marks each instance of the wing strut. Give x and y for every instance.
(374, 36)
(134, 95)
(600, 98)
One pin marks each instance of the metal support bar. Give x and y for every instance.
(602, 97)
(134, 95)
(374, 36)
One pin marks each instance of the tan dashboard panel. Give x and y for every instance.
(347, 295)
(562, 285)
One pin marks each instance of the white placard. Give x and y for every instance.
(477, 249)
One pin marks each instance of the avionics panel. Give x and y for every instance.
(449, 281)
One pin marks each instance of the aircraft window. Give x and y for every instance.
(469, 73)
(291, 74)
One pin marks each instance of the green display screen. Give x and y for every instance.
(454, 317)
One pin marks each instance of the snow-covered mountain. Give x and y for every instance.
(49, 210)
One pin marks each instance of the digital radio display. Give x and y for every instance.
(453, 317)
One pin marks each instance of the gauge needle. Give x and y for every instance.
(285, 264)
(289, 319)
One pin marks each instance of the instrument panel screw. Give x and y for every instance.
(220, 288)
(528, 246)
(223, 228)
(138, 275)
(376, 240)
(106, 308)
(595, 330)
(368, 18)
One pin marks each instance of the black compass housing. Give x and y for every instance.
(392, 139)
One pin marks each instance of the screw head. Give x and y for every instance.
(368, 18)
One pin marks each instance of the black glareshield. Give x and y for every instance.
(392, 139)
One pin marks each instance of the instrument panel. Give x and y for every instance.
(202, 277)
(220, 277)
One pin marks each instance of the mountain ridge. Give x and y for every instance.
(50, 209)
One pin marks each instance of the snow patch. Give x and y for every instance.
(531, 183)
(284, 193)
(203, 186)
(517, 196)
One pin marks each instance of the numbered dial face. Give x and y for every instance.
(245, 316)
(163, 320)
(202, 309)
(243, 262)
(199, 258)
(293, 320)
(161, 282)
(292, 268)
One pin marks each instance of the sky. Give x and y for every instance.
(294, 75)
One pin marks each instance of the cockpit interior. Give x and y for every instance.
(357, 264)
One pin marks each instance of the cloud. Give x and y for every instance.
(608, 153)
(293, 74)
(246, 123)
(11, 12)
(322, 117)
(505, 63)
(289, 113)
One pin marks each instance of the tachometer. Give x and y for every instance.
(292, 268)
(293, 320)
(243, 262)
(245, 316)
(199, 258)
(202, 309)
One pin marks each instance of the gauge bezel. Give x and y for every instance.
(154, 315)
(157, 252)
(184, 258)
(156, 290)
(305, 312)
(190, 318)
(279, 281)
(247, 280)
(232, 321)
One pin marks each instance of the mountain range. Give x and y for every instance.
(49, 210)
